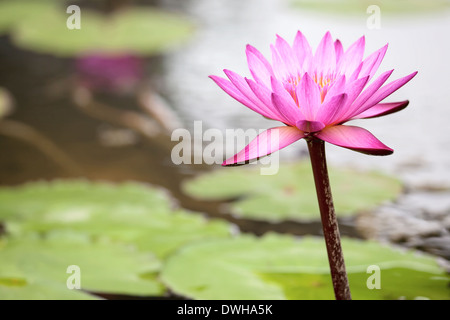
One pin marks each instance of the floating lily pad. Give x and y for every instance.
(360, 7)
(117, 234)
(20, 289)
(37, 268)
(133, 213)
(290, 194)
(283, 267)
(13, 11)
(138, 30)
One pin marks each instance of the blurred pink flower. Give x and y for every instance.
(110, 73)
(314, 94)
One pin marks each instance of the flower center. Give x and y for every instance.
(323, 82)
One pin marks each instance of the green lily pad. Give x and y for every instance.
(118, 234)
(283, 267)
(360, 7)
(130, 212)
(39, 268)
(139, 30)
(19, 289)
(12, 11)
(290, 194)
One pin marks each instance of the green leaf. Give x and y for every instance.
(132, 213)
(37, 268)
(13, 11)
(73, 202)
(40, 290)
(283, 267)
(290, 194)
(117, 234)
(140, 30)
(360, 7)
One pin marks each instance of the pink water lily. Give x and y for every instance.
(314, 95)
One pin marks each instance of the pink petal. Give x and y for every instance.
(258, 68)
(353, 90)
(279, 89)
(325, 56)
(384, 92)
(260, 91)
(309, 126)
(352, 57)
(372, 62)
(308, 96)
(260, 56)
(303, 51)
(266, 143)
(366, 94)
(382, 109)
(287, 54)
(355, 73)
(242, 85)
(339, 50)
(265, 95)
(280, 69)
(328, 111)
(336, 88)
(354, 138)
(287, 108)
(229, 88)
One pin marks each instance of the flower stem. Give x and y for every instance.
(329, 221)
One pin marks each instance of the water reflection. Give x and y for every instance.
(418, 134)
(109, 72)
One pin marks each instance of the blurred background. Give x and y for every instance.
(100, 102)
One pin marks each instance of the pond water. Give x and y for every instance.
(41, 86)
